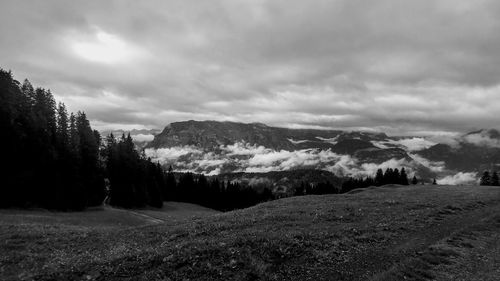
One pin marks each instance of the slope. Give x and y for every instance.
(385, 233)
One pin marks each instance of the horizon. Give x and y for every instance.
(397, 67)
(364, 130)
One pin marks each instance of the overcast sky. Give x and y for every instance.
(404, 67)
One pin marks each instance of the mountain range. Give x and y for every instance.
(213, 147)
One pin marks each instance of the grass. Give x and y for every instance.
(385, 233)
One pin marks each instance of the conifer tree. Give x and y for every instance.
(495, 181)
(171, 185)
(379, 178)
(62, 127)
(414, 180)
(485, 178)
(74, 137)
(403, 177)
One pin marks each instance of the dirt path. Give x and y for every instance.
(401, 257)
(433, 248)
(151, 220)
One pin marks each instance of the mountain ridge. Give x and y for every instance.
(214, 147)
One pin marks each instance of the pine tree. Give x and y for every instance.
(62, 127)
(66, 170)
(171, 186)
(403, 178)
(395, 176)
(414, 180)
(495, 181)
(388, 176)
(29, 92)
(74, 137)
(485, 178)
(379, 178)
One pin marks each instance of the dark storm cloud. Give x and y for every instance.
(399, 66)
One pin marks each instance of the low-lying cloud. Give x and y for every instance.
(243, 157)
(459, 179)
(482, 138)
(409, 144)
(171, 154)
(142, 137)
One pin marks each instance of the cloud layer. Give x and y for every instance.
(459, 178)
(243, 157)
(404, 67)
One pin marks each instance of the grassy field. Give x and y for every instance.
(385, 233)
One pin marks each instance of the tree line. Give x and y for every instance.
(54, 159)
(490, 178)
(213, 193)
(390, 176)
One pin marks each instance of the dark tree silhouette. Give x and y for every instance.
(379, 178)
(414, 180)
(390, 176)
(134, 180)
(485, 178)
(403, 177)
(54, 160)
(489, 178)
(495, 181)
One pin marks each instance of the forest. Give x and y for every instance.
(55, 160)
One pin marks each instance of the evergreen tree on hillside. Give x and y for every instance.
(74, 137)
(395, 176)
(379, 178)
(170, 185)
(388, 176)
(29, 92)
(403, 177)
(62, 127)
(65, 169)
(13, 106)
(134, 180)
(485, 178)
(91, 171)
(414, 180)
(495, 181)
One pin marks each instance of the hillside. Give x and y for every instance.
(212, 147)
(386, 233)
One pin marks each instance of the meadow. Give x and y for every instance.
(378, 233)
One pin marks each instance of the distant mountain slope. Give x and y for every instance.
(475, 151)
(213, 147)
(213, 134)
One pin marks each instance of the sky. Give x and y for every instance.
(402, 67)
